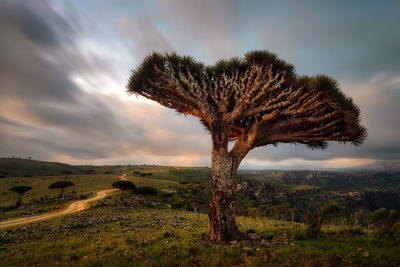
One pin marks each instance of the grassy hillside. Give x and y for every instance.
(41, 199)
(118, 235)
(163, 232)
(15, 167)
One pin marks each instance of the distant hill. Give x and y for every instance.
(16, 167)
(378, 166)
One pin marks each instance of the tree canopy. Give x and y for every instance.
(259, 97)
(61, 184)
(22, 189)
(124, 185)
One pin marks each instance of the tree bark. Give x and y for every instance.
(221, 212)
(19, 201)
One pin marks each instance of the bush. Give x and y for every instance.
(300, 236)
(384, 218)
(387, 222)
(313, 222)
(329, 212)
(168, 195)
(146, 191)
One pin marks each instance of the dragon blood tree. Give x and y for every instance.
(253, 101)
(21, 190)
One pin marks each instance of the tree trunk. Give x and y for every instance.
(121, 198)
(221, 212)
(19, 201)
(62, 193)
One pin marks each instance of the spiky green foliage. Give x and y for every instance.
(22, 189)
(124, 185)
(61, 184)
(339, 101)
(146, 69)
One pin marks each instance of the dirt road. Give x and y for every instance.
(73, 207)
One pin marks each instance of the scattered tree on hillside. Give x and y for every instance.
(62, 185)
(330, 211)
(293, 212)
(21, 190)
(195, 203)
(66, 173)
(255, 101)
(124, 186)
(146, 191)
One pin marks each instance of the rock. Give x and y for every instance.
(253, 236)
(267, 236)
(267, 256)
(166, 235)
(264, 243)
(250, 231)
(246, 243)
(193, 250)
(73, 257)
(247, 251)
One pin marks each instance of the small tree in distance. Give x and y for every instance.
(195, 203)
(124, 186)
(255, 101)
(66, 173)
(62, 185)
(21, 190)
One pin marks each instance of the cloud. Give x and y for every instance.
(203, 25)
(143, 36)
(65, 66)
(46, 114)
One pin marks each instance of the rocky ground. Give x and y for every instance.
(147, 233)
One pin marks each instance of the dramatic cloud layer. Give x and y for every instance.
(65, 66)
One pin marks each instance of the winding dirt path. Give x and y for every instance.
(123, 177)
(73, 207)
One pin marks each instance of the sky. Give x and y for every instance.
(64, 67)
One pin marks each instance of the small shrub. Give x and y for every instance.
(300, 236)
(313, 222)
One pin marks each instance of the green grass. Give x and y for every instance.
(117, 235)
(123, 236)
